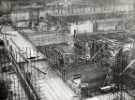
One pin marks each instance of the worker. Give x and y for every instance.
(92, 48)
(87, 49)
(75, 33)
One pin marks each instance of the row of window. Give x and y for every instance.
(92, 10)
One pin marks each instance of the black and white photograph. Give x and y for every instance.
(67, 49)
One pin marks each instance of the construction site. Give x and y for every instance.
(67, 50)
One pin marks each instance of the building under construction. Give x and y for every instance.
(67, 50)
